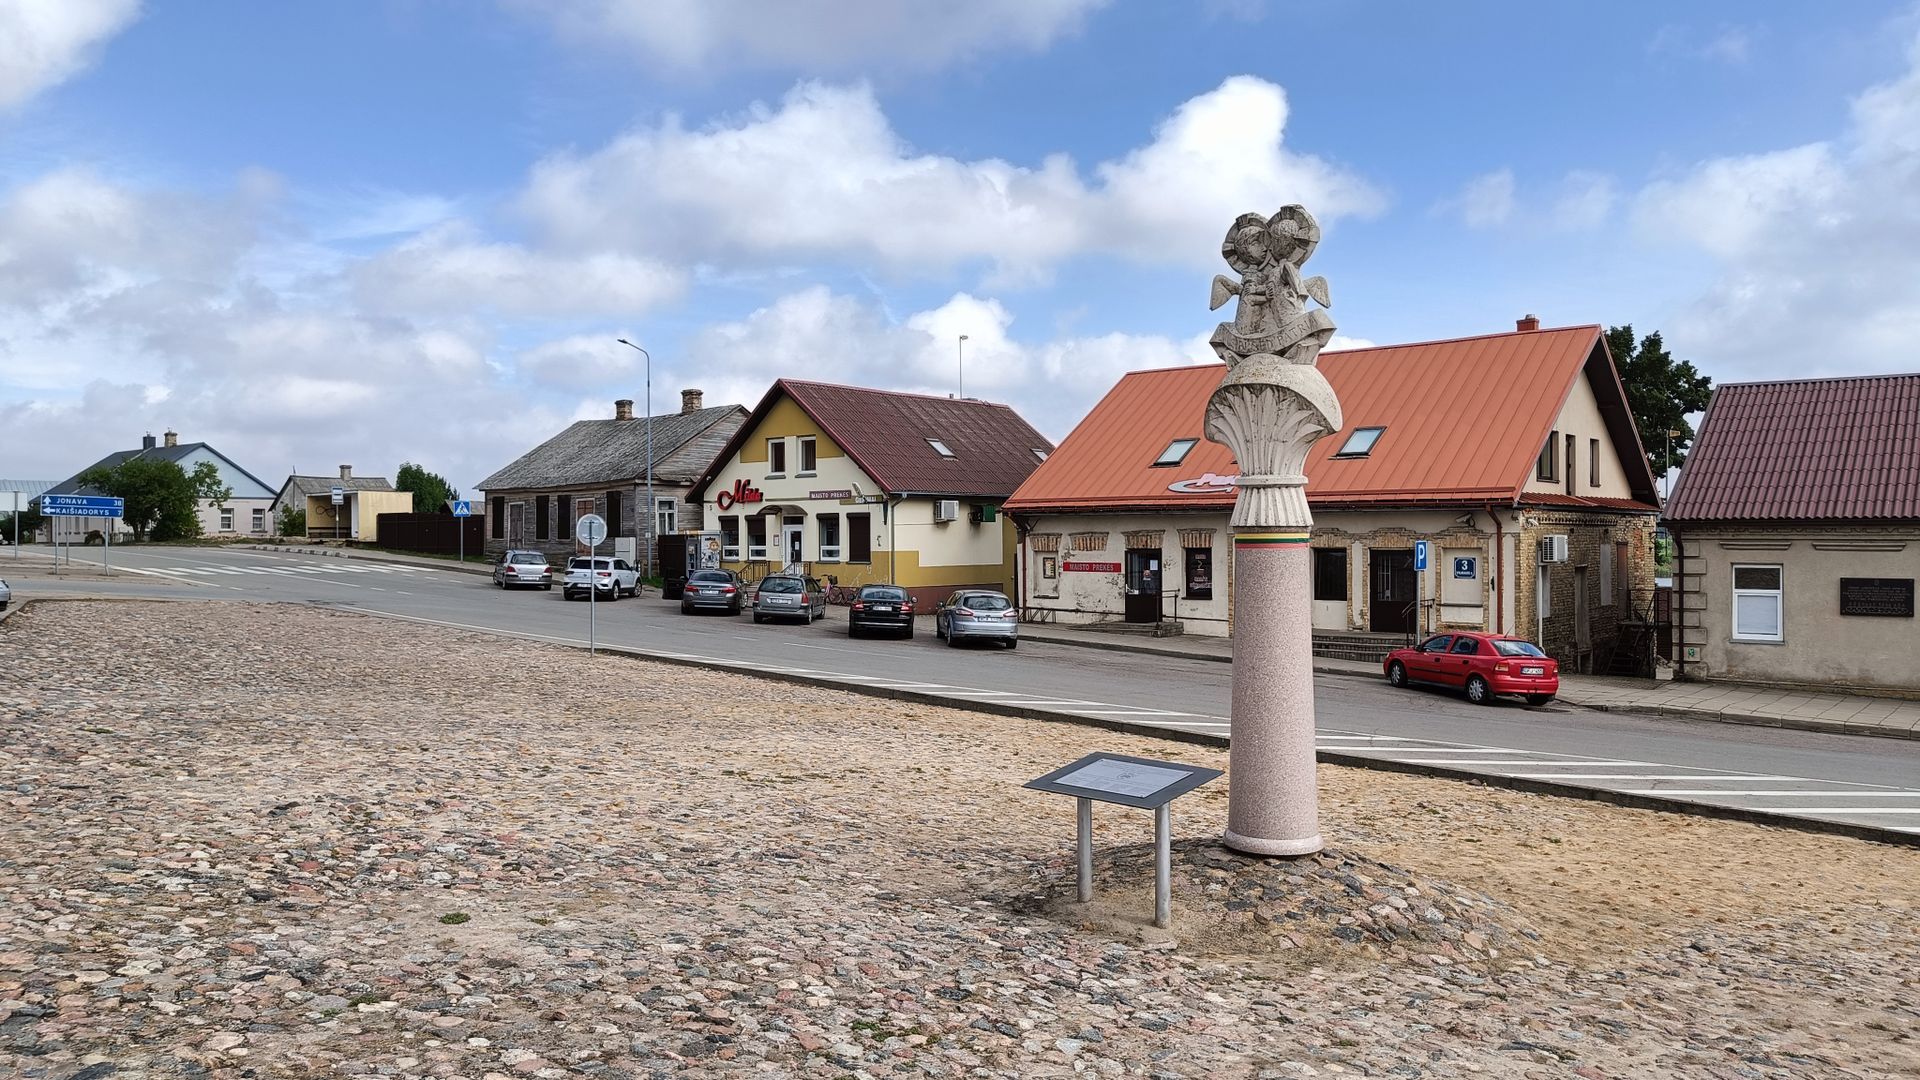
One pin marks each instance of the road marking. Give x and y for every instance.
(1810, 794)
(1652, 776)
(1368, 738)
(1469, 750)
(1501, 761)
(1843, 809)
(1134, 712)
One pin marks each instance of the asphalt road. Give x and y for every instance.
(1845, 778)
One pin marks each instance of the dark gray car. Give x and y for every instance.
(713, 590)
(977, 614)
(789, 596)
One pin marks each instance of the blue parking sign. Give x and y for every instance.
(1419, 554)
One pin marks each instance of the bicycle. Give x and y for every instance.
(838, 594)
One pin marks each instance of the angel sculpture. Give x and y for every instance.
(1272, 317)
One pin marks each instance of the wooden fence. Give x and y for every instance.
(434, 534)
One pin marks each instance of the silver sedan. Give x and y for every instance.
(789, 596)
(6, 595)
(977, 614)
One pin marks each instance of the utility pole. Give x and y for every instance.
(653, 512)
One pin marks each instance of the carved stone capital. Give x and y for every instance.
(1270, 412)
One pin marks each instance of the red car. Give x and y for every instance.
(1481, 664)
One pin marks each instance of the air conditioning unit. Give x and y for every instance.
(1553, 549)
(946, 509)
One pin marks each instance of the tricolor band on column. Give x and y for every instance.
(1270, 539)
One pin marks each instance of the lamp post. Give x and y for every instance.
(962, 345)
(1666, 468)
(652, 511)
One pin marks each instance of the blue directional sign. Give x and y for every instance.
(101, 506)
(1419, 554)
(463, 508)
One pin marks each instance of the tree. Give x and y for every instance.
(1661, 392)
(30, 522)
(293, 520)
(161, 498)
(431, 492)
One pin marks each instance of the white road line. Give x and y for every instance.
(1156, 713)
(1821, 794)
(242, 570)
(1367, 738)
(1467, 750)
(1648, 776)
(1496, 761)
(1842, 809)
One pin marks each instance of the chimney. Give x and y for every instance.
(346, 472)
(623, 409)
(147, 443)
(690, 400)
(1531, 322)
(173, 439)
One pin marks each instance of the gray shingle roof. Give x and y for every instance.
(608, 451)
(176, 454)
(304, 486)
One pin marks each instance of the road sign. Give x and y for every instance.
(339, 495)
(591, 529)
(104, 506)
(1419, 554)
(463, 508)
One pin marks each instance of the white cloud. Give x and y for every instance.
(814, 35)
(1487, 200)
(824, 175)
(1586, 200)
(579, 360)
(450, 269)
(1728, 205)
(46, 42)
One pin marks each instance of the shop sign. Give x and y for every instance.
(742, 492)
(1072, 567)
(831, 493)
(1208, 484)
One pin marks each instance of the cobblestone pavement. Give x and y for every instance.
(260, 841)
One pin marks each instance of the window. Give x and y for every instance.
(1175, 453)
(565, 511)
(666, 515)
(1548, 467)
(1330, 573)
(541, 514)
(1757, 607)
(808, 457)
(1466, 646)
(1039, 454)
(1200, 573)
(1571, 443)
(1049, 567)
(860, 538)
(1437, 644)
(830, 549)
(613, 514)
(1511, 647)
(499, 517)
(756, 537)
(776, 457)
(226, 519)
(1593, 462)
(259, 521)
(1360, 443)
(730, 537)
(940, 448)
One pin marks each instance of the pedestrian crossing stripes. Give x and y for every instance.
(272, 571)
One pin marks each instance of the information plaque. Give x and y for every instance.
(1891, 597)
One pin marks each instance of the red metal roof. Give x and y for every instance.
(1811, 450)
(1464, 419)
(885, 433)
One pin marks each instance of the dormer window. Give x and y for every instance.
(1175, 453)
(940, 448)
(1360, 443)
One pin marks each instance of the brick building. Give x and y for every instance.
(1514, 455)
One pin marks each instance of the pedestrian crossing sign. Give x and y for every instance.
(463, 508)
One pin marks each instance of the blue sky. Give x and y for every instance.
(410, 229)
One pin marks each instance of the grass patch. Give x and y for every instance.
(455, 918)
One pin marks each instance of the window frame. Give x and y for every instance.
(1040, 454)
(669, 521)
(1203, 557)
(940, 447)
(1593, 463)
(761, 547)
(1547, 466)
(829, 552)
(860, 539)
(1472, 646)
(730, 537)
(613, 514)
(1778, 594)
(809, 456)
(1346, 574)
(563, 517)
(1175, 453)
(542, 517)
(227, 518)
(777, 457)
(259, 518)
(1346, 448)
(499, 507)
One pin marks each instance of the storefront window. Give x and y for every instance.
(1199, 573)
(830, 550)
(860, 538)
(1330, 574)
(756, 537)
(730, 537)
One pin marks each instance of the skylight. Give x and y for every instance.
(1175, 453)
(1360, 443)
(940, 448)
(1039, 453)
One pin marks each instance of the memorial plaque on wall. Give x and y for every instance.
(1877, 596)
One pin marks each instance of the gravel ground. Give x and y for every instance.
(252, 841)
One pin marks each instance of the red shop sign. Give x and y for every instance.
(1091, 567)
(742, 492)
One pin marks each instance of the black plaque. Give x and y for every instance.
(1888, 596)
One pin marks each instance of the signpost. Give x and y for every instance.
(1142, 783)
(591, 529)
(1419, 587)
(100, 506)
(339, 497)
(462, 508)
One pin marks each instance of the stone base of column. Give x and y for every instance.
(1273, 800)
(1252, 845)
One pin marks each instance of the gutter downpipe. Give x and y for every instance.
(1499, 572)
(1676, 611)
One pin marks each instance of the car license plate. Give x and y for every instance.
(883, 607)
(1533, 671)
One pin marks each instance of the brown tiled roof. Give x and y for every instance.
(1809, 450)
(1464, 419)
(885, 433)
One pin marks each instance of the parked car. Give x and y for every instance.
(1483, 665)
(603, 577)
(884, 607)
(709, 589)
(977, 613)
(789, 596)
(523, 568)
(6, 595)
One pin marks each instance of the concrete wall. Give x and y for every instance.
(1580, 417)
(1820, 647)
(242, 517)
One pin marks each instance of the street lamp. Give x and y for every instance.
(653, 512)
(963, 365)
(1666, 468)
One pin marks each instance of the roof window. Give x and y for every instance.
(1175, 453)
(1360, 443)
(940, 448)
(1039, 453)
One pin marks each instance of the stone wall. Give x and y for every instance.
(1590, 538)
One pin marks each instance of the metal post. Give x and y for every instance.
(593, 593)
(1084, 812)
(1163, 866)
(653, 512)
(106, 550)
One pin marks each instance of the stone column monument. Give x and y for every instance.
(1269, 410)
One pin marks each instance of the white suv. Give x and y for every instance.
(608, 578)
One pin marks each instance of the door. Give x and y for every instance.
(790, 542)
(1390, 591)
(516, 524)
(1426, 661)
(1143, 585)
(1582, 628)
(1461, 660)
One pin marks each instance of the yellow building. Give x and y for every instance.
(871, 486)
(357, 517)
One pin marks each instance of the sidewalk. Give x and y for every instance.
(1846, 714)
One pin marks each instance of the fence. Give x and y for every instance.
(434, 534)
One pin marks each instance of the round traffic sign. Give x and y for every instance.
(591, 529)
